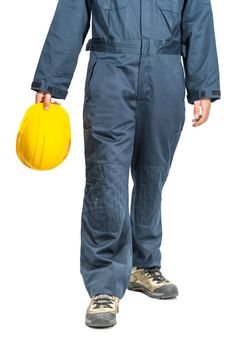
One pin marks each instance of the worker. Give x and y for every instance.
(144, 56)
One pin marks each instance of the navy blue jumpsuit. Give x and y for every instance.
(133, 115)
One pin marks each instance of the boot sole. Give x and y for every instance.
(97, 324)
(169, 293)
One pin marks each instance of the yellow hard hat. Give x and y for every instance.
(44, 136)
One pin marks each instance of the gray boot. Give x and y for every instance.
(150, 281)
(102, 310)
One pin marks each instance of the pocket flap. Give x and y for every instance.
(112, 4)
(169, 5)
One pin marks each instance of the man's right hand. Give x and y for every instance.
(45, 97)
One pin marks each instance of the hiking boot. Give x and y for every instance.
(102, 310)
(150, 281)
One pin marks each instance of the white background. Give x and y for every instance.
(42, 295)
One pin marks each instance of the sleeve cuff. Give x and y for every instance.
(52, 90)
(194, 95)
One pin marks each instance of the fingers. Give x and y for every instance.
(56, 103)
(201, 111)
(47, 99)
(44, 97)
(39, 97)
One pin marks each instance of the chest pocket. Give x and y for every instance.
(169, 18)
(112, 4)
(169, 5)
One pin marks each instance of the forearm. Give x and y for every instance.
(200, 61)
(63, 43)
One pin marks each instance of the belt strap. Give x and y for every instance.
(144, 46)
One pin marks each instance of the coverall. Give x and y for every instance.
(143, 55)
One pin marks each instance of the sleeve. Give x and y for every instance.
(200, 54)
(63, 43)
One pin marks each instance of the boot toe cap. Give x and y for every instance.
(166, 292)
(102, 320)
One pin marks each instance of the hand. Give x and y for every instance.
(42, 96)
(201, 111)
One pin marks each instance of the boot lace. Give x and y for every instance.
(102, 300)
(154, 273)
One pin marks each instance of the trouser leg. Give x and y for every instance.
(159, 122)
(106, 240)
(106, 254)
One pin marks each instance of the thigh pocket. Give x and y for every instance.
(112, 4)
(169, 17)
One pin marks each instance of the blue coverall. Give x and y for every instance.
(133, 115)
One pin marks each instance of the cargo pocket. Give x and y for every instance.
(169, 18)
(112, 4)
